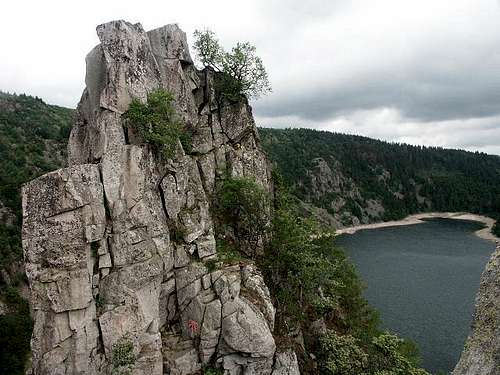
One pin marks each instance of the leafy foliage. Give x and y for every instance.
(345, 355)
(240, 71)
(305, 269)
(227, 253)
(157, 122)
(212, 371)
(391, 357)
(341, 355)
(123, 357)
(243, 204)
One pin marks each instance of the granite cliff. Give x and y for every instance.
(481, 355)
(118, 245)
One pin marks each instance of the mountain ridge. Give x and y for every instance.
(359, 180)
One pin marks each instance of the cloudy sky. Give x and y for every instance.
(421, 72)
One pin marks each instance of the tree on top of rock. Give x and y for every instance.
(240, 71)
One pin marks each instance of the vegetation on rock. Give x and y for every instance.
(341, 355)
(212, 371)
(312, 281)
(157, 123)
(239, 72)
(123, 357)
(243, 203)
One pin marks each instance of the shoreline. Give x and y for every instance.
(484, 233)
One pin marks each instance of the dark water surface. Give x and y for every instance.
(423, 280)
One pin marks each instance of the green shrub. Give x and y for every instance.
(177, 233)
(211, 265)
(227, 252)
(157, 122)
(238, 72)
(391, 357)
(341, 355)
(212, 371)
(243, 204)
(123, 356)
(310, 277)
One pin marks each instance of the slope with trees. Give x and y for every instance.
(33, 138)
(358, 179)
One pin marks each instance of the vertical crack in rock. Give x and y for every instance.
(162, 197)
(147, 284)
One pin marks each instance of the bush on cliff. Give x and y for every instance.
(123, 357)
(243, 204)
(239, 72)
(157, 122)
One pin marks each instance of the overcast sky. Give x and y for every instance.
(422, 72)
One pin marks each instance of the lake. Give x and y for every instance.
(423, 280)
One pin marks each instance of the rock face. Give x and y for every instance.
(117, 244)
(341, 194)
(481, 355)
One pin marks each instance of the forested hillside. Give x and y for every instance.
(358, 179)
(33, 137)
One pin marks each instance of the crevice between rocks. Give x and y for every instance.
(162, 197)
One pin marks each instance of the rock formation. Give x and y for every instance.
(116, 245)
(481, 355)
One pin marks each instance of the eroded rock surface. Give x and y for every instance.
(481, 355)
(117, 244)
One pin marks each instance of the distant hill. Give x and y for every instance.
(33, 138)
(362, 180)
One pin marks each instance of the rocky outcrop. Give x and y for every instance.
(340, 197)
(120, 246)
(481, 355)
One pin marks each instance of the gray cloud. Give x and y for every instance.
(424, 72)
(438, 66)
(462, 96)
